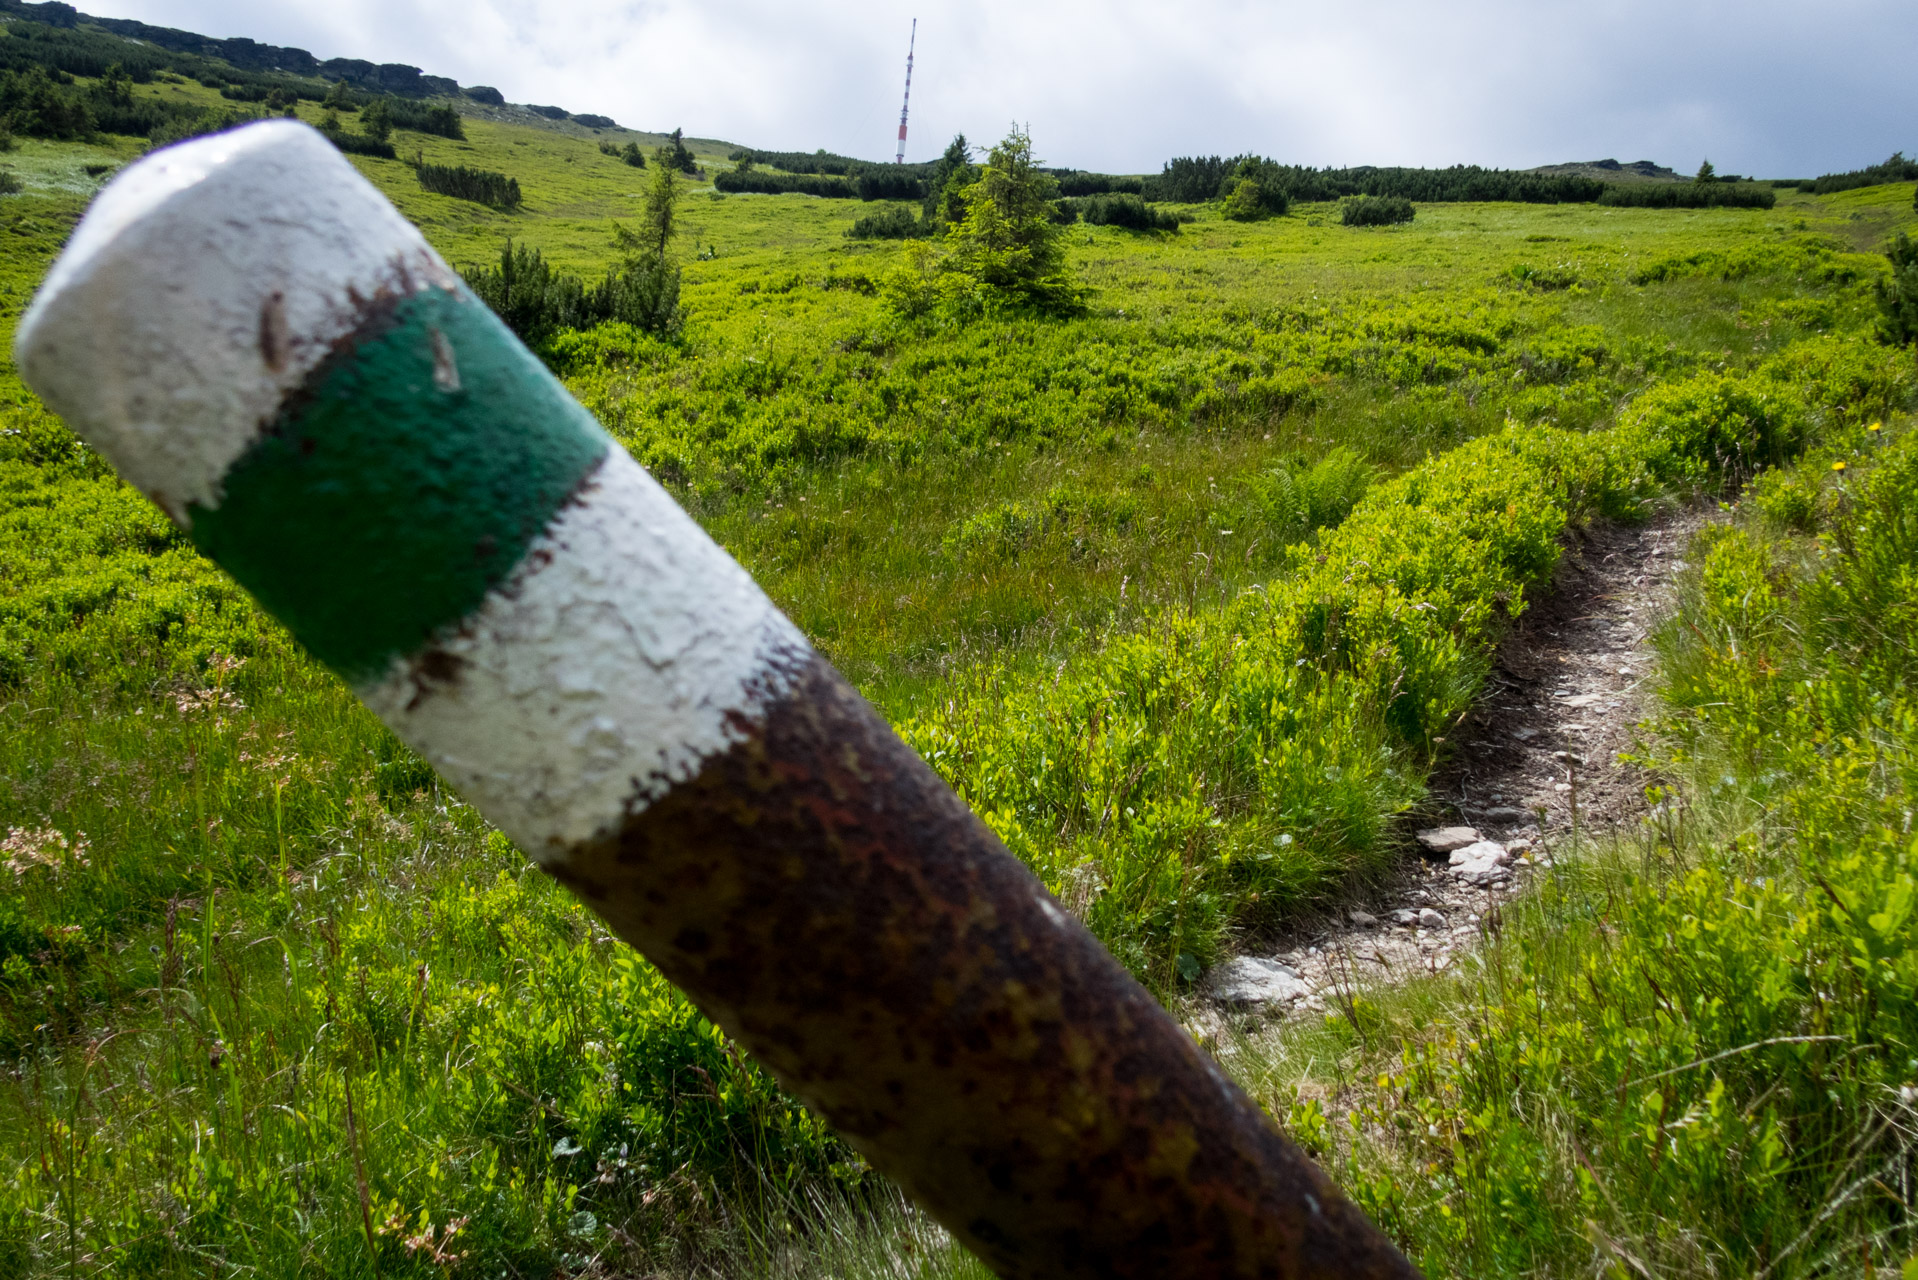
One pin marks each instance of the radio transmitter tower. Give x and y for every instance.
(907, 102)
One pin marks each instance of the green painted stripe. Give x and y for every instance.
(383, 505)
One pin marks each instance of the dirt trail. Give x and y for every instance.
(1564, 694)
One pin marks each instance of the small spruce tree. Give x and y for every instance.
(1706, 174)
(1006, 251)
(952, 173)
(677, 156)
(116, 86)
(376, 122)
(1246, 201)
(661, 206)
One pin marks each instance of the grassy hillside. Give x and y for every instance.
(280, 1003)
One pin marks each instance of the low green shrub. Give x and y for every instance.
(1122, 210)
(1375, 211)
(1813, 260)
(1546, 279)
(361, 144)
(1713, 424)
(198, 124)
(1247, 202)
(1898, 294)
(1064, 514)
(437, 118)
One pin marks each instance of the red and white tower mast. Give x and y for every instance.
(901, 157)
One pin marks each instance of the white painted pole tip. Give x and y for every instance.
(204, 284)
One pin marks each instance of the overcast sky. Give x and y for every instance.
(1780, 88)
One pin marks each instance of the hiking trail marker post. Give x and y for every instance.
(259, 341)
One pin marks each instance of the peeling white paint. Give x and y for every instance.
(626, 650)
(205, 283)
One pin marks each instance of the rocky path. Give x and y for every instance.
(1539, 753)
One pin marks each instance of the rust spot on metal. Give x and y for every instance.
(275, 339)
(431, 670)
(919, 989)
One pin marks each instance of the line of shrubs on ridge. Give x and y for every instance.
(39, 96)
(1894, 169)
(1254, 186)
(837, 177)
(1131, 212)
(1689, 195)
(39, 103)
(64, 42)
(892, 182)
(1122, 209)
(1247, 187)
(1195, 179)
(874, 182)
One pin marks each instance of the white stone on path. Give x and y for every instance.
(1249, 982)
(1446, 839)
(1482, 864)
(1480, 851)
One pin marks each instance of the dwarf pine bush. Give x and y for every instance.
(462, 182)
(1898, 294)
(894, 222)
(1122, 210)
(1375, 211)
(1689, 195)
(540, 304)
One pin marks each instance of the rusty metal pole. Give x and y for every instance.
(256, 339)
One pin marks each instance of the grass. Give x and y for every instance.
(277, 1002)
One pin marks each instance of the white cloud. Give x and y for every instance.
(1769, 86)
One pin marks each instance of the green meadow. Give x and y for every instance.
(1182, 593)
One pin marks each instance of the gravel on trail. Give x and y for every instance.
(1538, 751)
